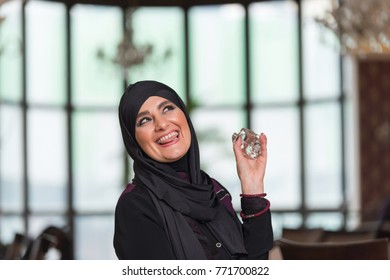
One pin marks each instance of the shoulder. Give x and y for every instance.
(135, 202)
(134, 192)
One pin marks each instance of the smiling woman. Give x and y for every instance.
(172, 209)
(162, 130)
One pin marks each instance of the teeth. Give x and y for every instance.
(166, 137)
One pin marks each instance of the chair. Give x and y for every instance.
(345, 236)
(17, 249)
(383, 228)
(373, 249)
(302, 234)
(52, 238)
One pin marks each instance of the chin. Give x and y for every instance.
(168, 160)
(173, 158)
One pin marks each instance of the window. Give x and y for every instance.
(264, 66)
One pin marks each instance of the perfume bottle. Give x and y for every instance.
(250, 142)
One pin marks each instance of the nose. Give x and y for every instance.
(160, 123)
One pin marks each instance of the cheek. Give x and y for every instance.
(142, 138)
(187, 133)
(185, 127)
(138, 136)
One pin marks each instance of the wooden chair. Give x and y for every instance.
(51, 238)
(302, 234)
(373, 249)
(296, 234)
(345, 236)
(383, 230)
(18, 248)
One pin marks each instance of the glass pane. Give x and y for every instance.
(323, 155)
(285, 220)
(166, 63)
(281, 126)
(93, 238)
(47, 159)
(352, 159)
(217, 54)
(11, 51)
(321, 53)
(9, 226)
(214, 131)
(11, 159)
(95, 31)
(274, 55)
(45, 52)
(351, 141)
(354, 221)
(327, 221)
(97, 161)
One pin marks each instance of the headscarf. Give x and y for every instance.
(173, 195)
(194, 198)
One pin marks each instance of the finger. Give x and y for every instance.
(263, 143)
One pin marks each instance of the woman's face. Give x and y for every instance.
(161, 130)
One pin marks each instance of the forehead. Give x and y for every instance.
(152, 102)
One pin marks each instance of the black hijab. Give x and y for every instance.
(173, 195)
(194, 198)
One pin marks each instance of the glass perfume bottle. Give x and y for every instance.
(250, 142)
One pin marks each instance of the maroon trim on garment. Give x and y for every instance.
(252, 215)
(226, 199)
(129, 188)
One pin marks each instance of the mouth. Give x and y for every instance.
(168, 138)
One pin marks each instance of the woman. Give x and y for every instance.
(172, 209)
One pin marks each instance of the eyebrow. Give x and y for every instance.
(162, 104)
(144, 113)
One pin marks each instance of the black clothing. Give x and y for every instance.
(139, 230)
(152, 220)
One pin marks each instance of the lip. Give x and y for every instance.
(172, 142)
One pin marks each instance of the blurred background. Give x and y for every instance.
(314, 75)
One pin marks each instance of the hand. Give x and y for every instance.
(251, 171)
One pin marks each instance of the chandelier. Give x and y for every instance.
(2, 17)
(128, 54)
(362, 26)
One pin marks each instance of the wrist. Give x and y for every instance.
(259, 195)
(250, 189)
(253, 207)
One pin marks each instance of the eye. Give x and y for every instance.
(169, 107)
(142, 121)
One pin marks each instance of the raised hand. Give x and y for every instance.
(251, 171)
